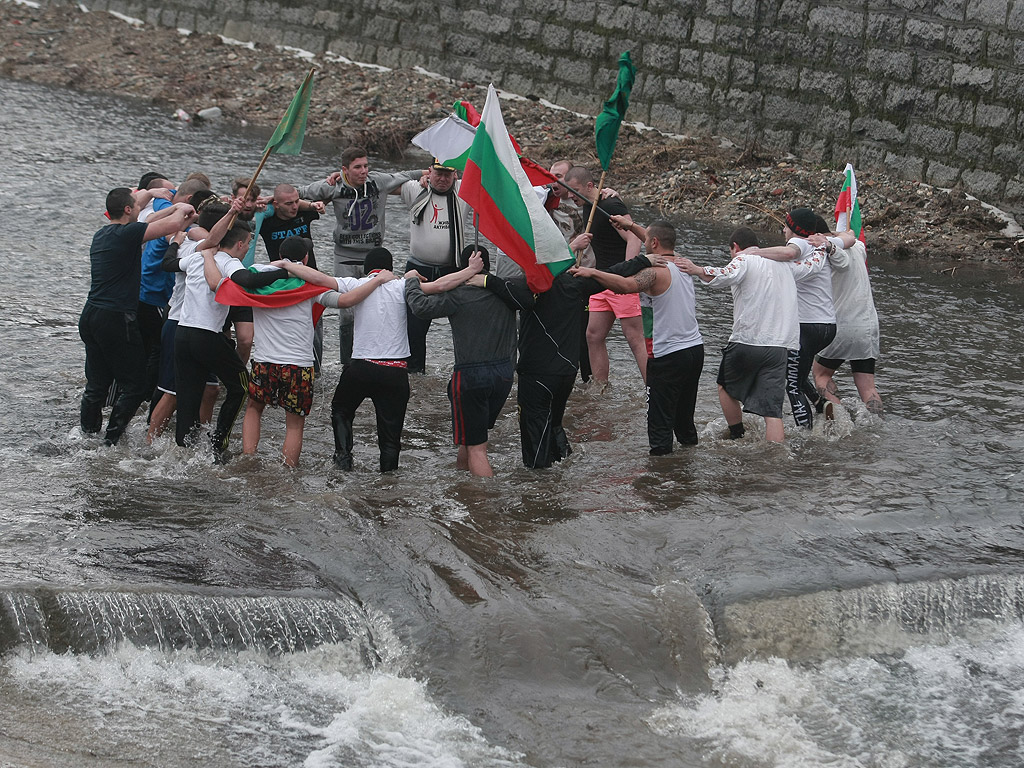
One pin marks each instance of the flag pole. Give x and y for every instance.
(590, 219)
(267, 152)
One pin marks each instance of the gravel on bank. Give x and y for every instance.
(699, 177)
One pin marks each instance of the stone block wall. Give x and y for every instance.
(930, 89)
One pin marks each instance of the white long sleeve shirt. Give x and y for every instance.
(764, 312)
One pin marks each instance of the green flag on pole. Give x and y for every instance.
(287, 139)
(606, 127)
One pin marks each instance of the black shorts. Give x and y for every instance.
(477, 393)
(756, 376)
(239, 315)
(166, 381)
(857, 366)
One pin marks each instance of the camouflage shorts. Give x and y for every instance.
(289, 386)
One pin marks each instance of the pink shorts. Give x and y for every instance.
(622, 304)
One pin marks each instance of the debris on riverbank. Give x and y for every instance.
(699, 177)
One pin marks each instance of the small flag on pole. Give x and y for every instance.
(511, 216)
(606, 126)
(287, 139)
(448, 140)
(848, 208)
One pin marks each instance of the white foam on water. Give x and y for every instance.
(957, 706)
(315, 708)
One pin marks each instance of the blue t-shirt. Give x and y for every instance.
(115, 261)
(155, 285)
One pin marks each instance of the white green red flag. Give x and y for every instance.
(509, 212)
(848, 208)
(285, 292)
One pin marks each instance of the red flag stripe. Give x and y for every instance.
(496, 228)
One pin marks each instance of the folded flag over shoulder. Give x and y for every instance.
(497, 188)
(285, 292)
(606, 126)
(848, 208)
(287, 139)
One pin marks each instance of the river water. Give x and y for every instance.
(852, 598)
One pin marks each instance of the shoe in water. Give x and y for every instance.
(830, 411)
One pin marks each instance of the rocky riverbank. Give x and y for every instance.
(701, 177)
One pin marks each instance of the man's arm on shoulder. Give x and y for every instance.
(320, 190)
(170, 261)
(252, 280)
(424, 306)
(455, 279)
(730, 273)
(804, 268)
(369, 284)
(788, 252)
(513, 292)
(394, 184)
(307, 273)
(182, 216)
(618, 283)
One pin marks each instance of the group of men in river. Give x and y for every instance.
(174, 272)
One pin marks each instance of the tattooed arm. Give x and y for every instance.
(642, 281)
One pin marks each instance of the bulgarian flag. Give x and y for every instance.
(848, 208)
(285, 292)
(498, 189)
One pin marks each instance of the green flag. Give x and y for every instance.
(287, 139)
(606, 127)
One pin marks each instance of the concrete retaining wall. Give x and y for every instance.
(930, 90)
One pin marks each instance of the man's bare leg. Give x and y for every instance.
(294, 424)
(243, 340)
(633, 330)
(251, 426)
(824, 383)
(866, 389)
(162, 412)
(597, 334)
(774, 432)
(477, 459)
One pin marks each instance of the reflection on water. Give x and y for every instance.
(573, 616)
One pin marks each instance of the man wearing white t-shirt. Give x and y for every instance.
(857, 323)
(377, 369)
(380, 348)
(282, 360)
(752, 374)
(199, 345)
(816, 310)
